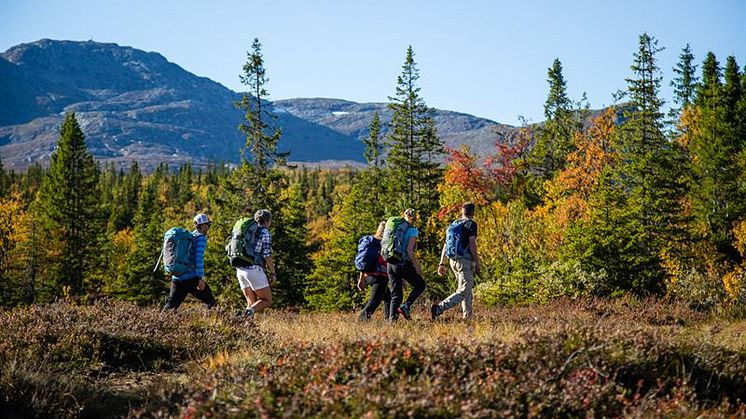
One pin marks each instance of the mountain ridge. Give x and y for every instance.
(137, 105)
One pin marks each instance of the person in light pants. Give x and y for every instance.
(464, 267)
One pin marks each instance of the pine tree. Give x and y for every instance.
(636, 213)
(556, 137)
(708, 90)
(140, 282)
(259, 182)
(714, 147)
(373, 143)
(4, 181)
(414, 147)
(124, 200)
(259, 156)
(70, 204)
(685, 83)
(293, 260)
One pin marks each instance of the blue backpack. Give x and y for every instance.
(455, 248)
(178, 257)
(368, 249)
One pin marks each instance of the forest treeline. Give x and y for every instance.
(630, 200)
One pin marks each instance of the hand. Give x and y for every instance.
(441, 270)
(360, 284)
(201, 284)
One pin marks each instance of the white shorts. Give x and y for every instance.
(252, 277)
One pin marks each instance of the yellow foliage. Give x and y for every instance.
(734, 283)
(13, 229)
(739, 231)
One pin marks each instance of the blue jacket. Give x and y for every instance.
(198, 249)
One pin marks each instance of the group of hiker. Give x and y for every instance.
(385, 260)
(249, 250)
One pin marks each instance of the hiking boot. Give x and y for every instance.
(404, 311)
(435, 311)
(249, 314)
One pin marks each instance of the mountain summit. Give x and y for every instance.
(136, 105)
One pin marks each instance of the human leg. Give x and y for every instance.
(204, 295)
(463, 271)
(177, 295)
(264, 299)
(395, 288)
(416, 281)
(245, 284)
(377, 292)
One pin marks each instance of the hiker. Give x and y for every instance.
(255, 279)
(461, 250)
(375, 276)
(193, 282)
(397, 247)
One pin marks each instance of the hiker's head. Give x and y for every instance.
(379, 230)
(263, 217)
(467, 210)
(410, 215)
(202, 223)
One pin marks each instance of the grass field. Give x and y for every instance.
(589, 358)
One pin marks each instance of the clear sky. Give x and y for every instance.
(486, 58)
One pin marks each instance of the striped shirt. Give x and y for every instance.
(200, 244)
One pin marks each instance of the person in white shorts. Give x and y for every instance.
(255, 280)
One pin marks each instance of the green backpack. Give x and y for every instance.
(393, 248)
(241, 245)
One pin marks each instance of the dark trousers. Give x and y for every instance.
(180, 289)
(379, 292)
(397, 275)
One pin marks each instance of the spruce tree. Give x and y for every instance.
(373, 143)
(685, 83)
(714, 146)
(414, 147)
(4, 181)
(259, 157)
(70, 204)
(636, 213)
(556, 136)
(140, 282)
(260, 183)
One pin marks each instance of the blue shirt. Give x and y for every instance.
(411, 232)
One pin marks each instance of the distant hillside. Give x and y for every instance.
(136, 105)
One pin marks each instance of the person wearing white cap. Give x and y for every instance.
(193, 282)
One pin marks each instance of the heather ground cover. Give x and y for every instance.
(568, 358)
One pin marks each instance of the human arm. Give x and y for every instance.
(410, 253)
(265, 250)
(473, 249)
(269, 266)
(442, 264)
(199, 260)
(360, 281)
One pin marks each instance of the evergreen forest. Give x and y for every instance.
(628, 200)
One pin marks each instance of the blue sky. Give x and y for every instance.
(486, 58)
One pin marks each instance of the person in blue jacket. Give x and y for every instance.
(193, 282)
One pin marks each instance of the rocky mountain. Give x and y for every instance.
(136, 105)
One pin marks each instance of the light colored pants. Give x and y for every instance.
(464, 270)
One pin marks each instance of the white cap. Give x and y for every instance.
(201, 219)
